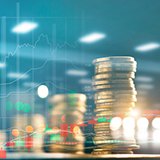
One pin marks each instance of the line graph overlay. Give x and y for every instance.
(58, 46)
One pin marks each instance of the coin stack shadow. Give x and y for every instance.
(115, 92)
(66, 113)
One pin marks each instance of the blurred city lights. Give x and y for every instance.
(128, 123)
(2, 65)
(156, 123)
(142, 123)
(24, 27)
(128, 133)
(144, 79)
(92, 37)
(75, 72)
(156, 135)
(147, 47)
(76, 130)
(42, 91)
(142, 135)
(145, 86)
(17, 75)
(29, 129)
(15, 132)
(30, 84)
(116, 123)
(134, 113)
(41, 127)
(85, 81)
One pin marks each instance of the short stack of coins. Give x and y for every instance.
(66, 114)
(36, 125)
(115, 92)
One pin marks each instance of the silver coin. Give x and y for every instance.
(114, 59)
(115, 65)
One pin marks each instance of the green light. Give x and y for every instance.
(71, 94)
(72, 99)
(9, 106)
(26, 107)
(37, 135)
(109, 120)
(47, 129)
(19, 106)
(101, 119)
(55, 137)
(19, 143)
(73, 102)
(36, 107)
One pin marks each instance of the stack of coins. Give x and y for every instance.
(37, 122)
(2, 138)
(66, 114)
(115, 92)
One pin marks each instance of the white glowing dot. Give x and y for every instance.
(156, 136)
(142, 123)
(24, 27)
(116, 123)
(42, 91)
(134, 113)
(128, 123)
(156, 123)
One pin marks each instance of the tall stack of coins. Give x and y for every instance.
(115, 92)
(66, 114)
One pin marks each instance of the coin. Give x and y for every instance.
(122, 110)
(114, 59)
(115, 86)
(118, 96)
(114, 69)
(115, 75)
(113, 81)
(120, 92)
(103, 115)
(116, 104)
(115, 65)
(115, 100)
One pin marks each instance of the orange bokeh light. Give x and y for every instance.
(42, 127)
(76, 130)
(15, 132)
(63, 118)
(29, 129)
(55, 130)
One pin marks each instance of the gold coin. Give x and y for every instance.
(120, 92)
(115, 75)
(114, 69)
